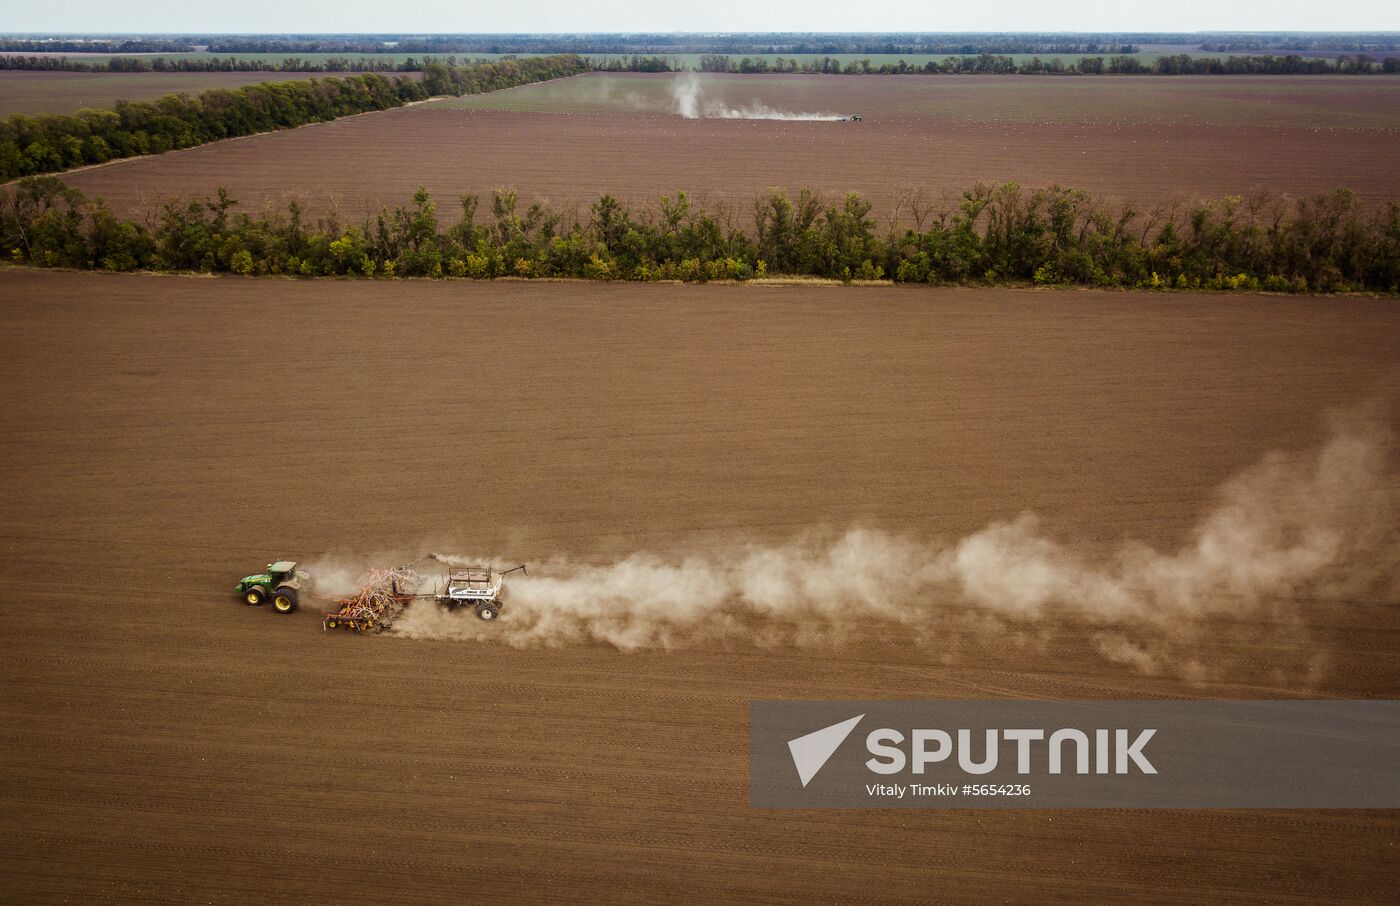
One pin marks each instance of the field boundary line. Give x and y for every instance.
(7, 266)
(223, 141)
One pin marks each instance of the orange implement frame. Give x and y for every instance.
(354, 616)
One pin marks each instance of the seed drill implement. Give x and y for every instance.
(385, 593)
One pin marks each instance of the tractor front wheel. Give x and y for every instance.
(284, 600)
(254, 596)
(487, 611)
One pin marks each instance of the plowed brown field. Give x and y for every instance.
(1147, 140)
(165, 435)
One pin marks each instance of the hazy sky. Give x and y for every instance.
(711, 15)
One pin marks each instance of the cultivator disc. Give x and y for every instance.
(382, 597)
(353, 624)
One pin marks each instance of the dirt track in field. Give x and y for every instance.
(165, 435)
(1281, 136)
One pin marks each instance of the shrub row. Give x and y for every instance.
(992, 234)
(32, 145)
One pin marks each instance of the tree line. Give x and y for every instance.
(980, 64)
(623, 44)
(1314, 42)
(990, 234)
(912, 43)
(680, 43)
(61, 45)
(236, 64)
(32, 145)
(997, 64)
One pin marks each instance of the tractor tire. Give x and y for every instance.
(487, 611)
(254, 596)
(284, 600)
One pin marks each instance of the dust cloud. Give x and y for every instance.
(1293, 528)
(688, 96)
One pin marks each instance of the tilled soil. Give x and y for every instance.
(166, 435)
(909, 148)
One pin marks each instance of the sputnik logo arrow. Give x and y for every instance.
(812, 751)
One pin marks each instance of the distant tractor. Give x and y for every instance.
(280, 583)
(851, 118)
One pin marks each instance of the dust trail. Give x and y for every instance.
(1291, 528)
(688, 95)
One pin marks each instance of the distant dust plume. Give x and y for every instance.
(688, 94)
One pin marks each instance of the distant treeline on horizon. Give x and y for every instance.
(767, 43)
(961, 64)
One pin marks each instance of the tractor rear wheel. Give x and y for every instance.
(254, 596)
(284, 600)
(487, 611)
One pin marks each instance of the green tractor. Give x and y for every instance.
(280, 583)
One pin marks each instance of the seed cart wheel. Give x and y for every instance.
(254, 596)
(331, 624)
(487, 611)
(284, 600)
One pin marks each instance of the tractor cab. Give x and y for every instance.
(281, 583)
(282, 569)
